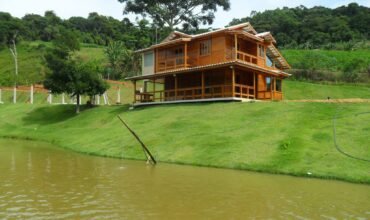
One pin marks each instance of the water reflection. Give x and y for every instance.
(45, 182)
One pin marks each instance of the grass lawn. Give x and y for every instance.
(294, 90)
(275, 137)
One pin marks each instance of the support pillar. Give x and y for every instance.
(186, 55)
(203, 85)
(154, 93)
(134, 82)
(175, 87)
(31, 94)
(233, 82)
(236, 46)
(254, 85)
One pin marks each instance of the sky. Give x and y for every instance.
(69, 8)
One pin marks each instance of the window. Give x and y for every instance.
(205, 48)
(278, 85)
(268, 83)
(178, 52)
(269, 62)
(148, 59)
(261, 50)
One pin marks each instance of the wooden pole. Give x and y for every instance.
(233, 81)
(154, 90)
(134, 82)
(203, 85)
(186, 55)
(31, 94)
(254, 85)
(175, 87)
(149, 156)
(236, 46)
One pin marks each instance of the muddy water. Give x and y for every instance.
(43, 182)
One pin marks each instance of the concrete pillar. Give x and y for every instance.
(63, 99)
(31, 94)
(119, 95)
(50, 98)
(105, 98)
(15, 94)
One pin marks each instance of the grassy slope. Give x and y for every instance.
(340, 58)
(291, 138)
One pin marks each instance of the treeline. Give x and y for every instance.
(95, 29)
(345, 27)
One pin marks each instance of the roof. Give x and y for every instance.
(175, 35)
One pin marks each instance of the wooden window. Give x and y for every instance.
(261, 50)
(278, 85)
(205, 47)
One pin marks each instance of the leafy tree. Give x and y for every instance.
(176, 12)
(71, 76)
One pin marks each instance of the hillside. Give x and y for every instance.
(31, 68)
(295, 139)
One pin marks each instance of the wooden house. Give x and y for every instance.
(232, 63)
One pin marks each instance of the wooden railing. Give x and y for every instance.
(171, 63)
(246, 57)
(243, 91)
(214, 91)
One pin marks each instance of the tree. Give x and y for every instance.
(71, 76)
(175, 12)
(114, 53)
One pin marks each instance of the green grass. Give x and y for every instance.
(287, 138)
(294, 90)
(335, 59)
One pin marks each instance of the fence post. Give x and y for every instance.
(31, 94)
(1, 102)
(63, 100)
(50, 98)
(98, 100)
(15, 94)
(119, 95)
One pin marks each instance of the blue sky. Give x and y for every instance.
(239, 8)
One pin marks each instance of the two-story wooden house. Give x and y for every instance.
(233, 63)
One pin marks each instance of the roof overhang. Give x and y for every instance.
(236, 63)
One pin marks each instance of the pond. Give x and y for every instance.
(45, 182)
